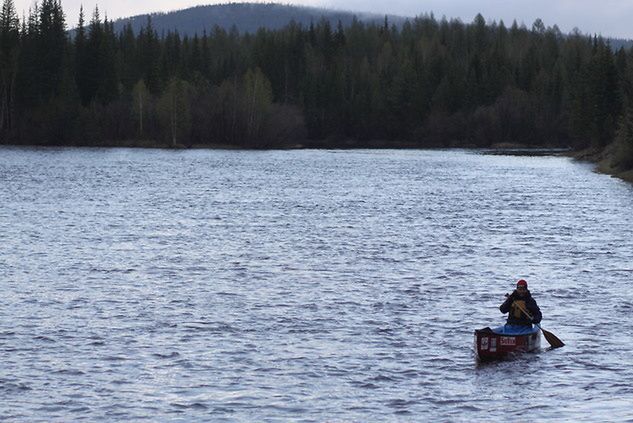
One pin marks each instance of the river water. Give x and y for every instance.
(307, 286)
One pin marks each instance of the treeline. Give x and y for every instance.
(427, 83)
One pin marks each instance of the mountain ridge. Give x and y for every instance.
(245, 17)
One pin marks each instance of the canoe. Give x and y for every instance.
(499, 343)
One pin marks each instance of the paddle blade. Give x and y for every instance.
(552, 339)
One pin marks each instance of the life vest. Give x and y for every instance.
(515, 310)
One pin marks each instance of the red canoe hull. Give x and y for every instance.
(494, 346)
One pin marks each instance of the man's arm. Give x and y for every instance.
(505, 307)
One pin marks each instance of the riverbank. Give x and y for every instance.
(603, 159)
(330, 143)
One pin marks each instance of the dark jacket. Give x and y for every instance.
(516, 316)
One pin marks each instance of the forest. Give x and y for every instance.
(425, 83)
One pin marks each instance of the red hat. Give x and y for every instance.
(522, 283)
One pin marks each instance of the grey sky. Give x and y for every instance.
(606, 17)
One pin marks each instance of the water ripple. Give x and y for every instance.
(307, 286)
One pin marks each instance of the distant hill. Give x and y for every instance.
(617, 43)
(246, 17)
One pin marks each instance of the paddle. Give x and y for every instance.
(549, 336)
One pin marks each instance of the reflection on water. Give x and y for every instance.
(307, 285)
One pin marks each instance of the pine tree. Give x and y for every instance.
(28, 81)
(604, 95)
(127, 53)
(9, 51)
(108, 86)
(149, 51)
(52, 46)
(81, 60)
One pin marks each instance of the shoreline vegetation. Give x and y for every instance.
(605, 162)
(425, 83)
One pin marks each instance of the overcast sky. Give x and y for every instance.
(607, 17)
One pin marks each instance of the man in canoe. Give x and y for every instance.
(516, 304)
